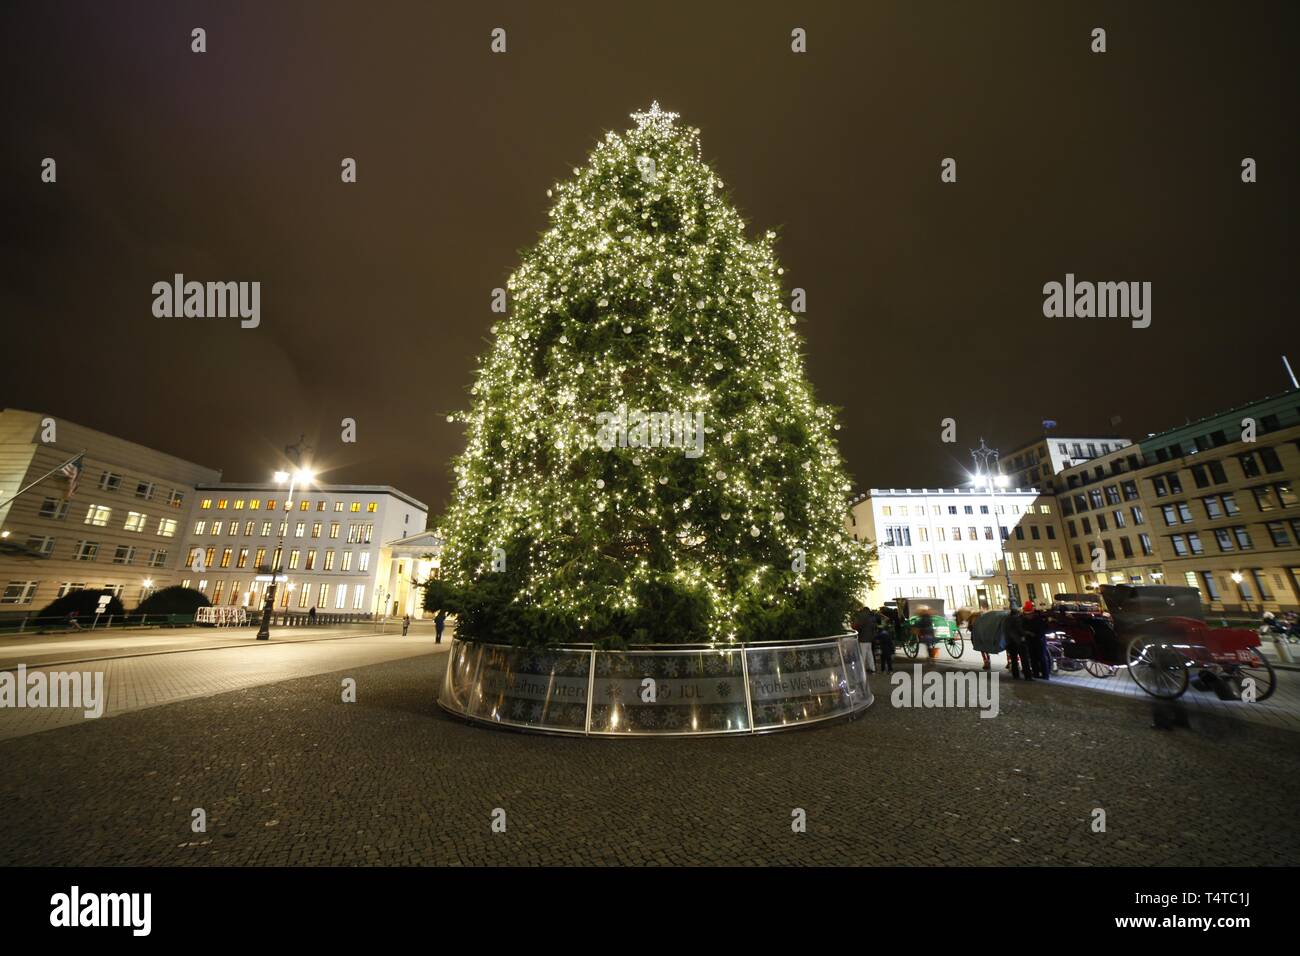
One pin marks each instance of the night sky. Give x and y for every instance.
(924, 299)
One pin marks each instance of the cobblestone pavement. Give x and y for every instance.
(289, 774)
(1281, 709)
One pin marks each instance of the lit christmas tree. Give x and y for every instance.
(646, 462)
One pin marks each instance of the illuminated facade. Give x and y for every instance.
(121, 531)
(334, 552)
(947, 543)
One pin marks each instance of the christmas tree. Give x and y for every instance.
(645, 460)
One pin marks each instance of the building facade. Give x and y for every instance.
(121, 530)
(1037, 464)
(337, 546)
(1212, 505)
(958, 544)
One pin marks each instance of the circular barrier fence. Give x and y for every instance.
(678, 690)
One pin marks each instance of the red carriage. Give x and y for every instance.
(1160, 633)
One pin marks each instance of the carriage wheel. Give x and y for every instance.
(1158, 669)
(1262, 674)
(909, 646)
(1098, 669)
(956, 647)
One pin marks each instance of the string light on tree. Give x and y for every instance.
(645, 293)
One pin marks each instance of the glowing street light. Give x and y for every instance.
(299, 476)
(987, 476)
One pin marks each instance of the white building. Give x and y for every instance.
(1037, 463)
(948, 543)
(337, 550)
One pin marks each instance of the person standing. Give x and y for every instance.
(438, 623)
(925, 632)
(885, 636)
(1017, 651)
(406, 624)
(311, 615)
(864, 622)
(1035, 643)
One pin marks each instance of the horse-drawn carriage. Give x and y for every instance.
(1160, 633)
(910, 610)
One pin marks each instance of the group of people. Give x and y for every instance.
(1026, 631)
(881, 631)
(1028, 655)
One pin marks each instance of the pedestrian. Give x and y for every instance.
(438, 623)
(1017, 652)
(406, 624)
(311, 615)
(73, 622)
(864, 622)
(885, 637)
(1035, 640)
(925, 631)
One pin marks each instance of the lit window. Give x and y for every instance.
(239, 504)
(18, 592)
(221, 506)
(135, 521)
(205, 504)
(167, 527)
(98, 515)
(356, 506)
(293, 559)
(372, 507)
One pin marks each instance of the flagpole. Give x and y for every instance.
(56, 468)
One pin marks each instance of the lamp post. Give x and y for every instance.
(304, 476)
(985, 477)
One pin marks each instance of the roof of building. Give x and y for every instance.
(271, 487)
(1236, 410)
(117, 438)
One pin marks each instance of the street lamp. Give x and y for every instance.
(298, 476)
(986, 464)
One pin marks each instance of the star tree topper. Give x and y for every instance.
(654, 115)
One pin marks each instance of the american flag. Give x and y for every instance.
(72, 471)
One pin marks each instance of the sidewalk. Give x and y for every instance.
(47, 650)
(134, 681)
